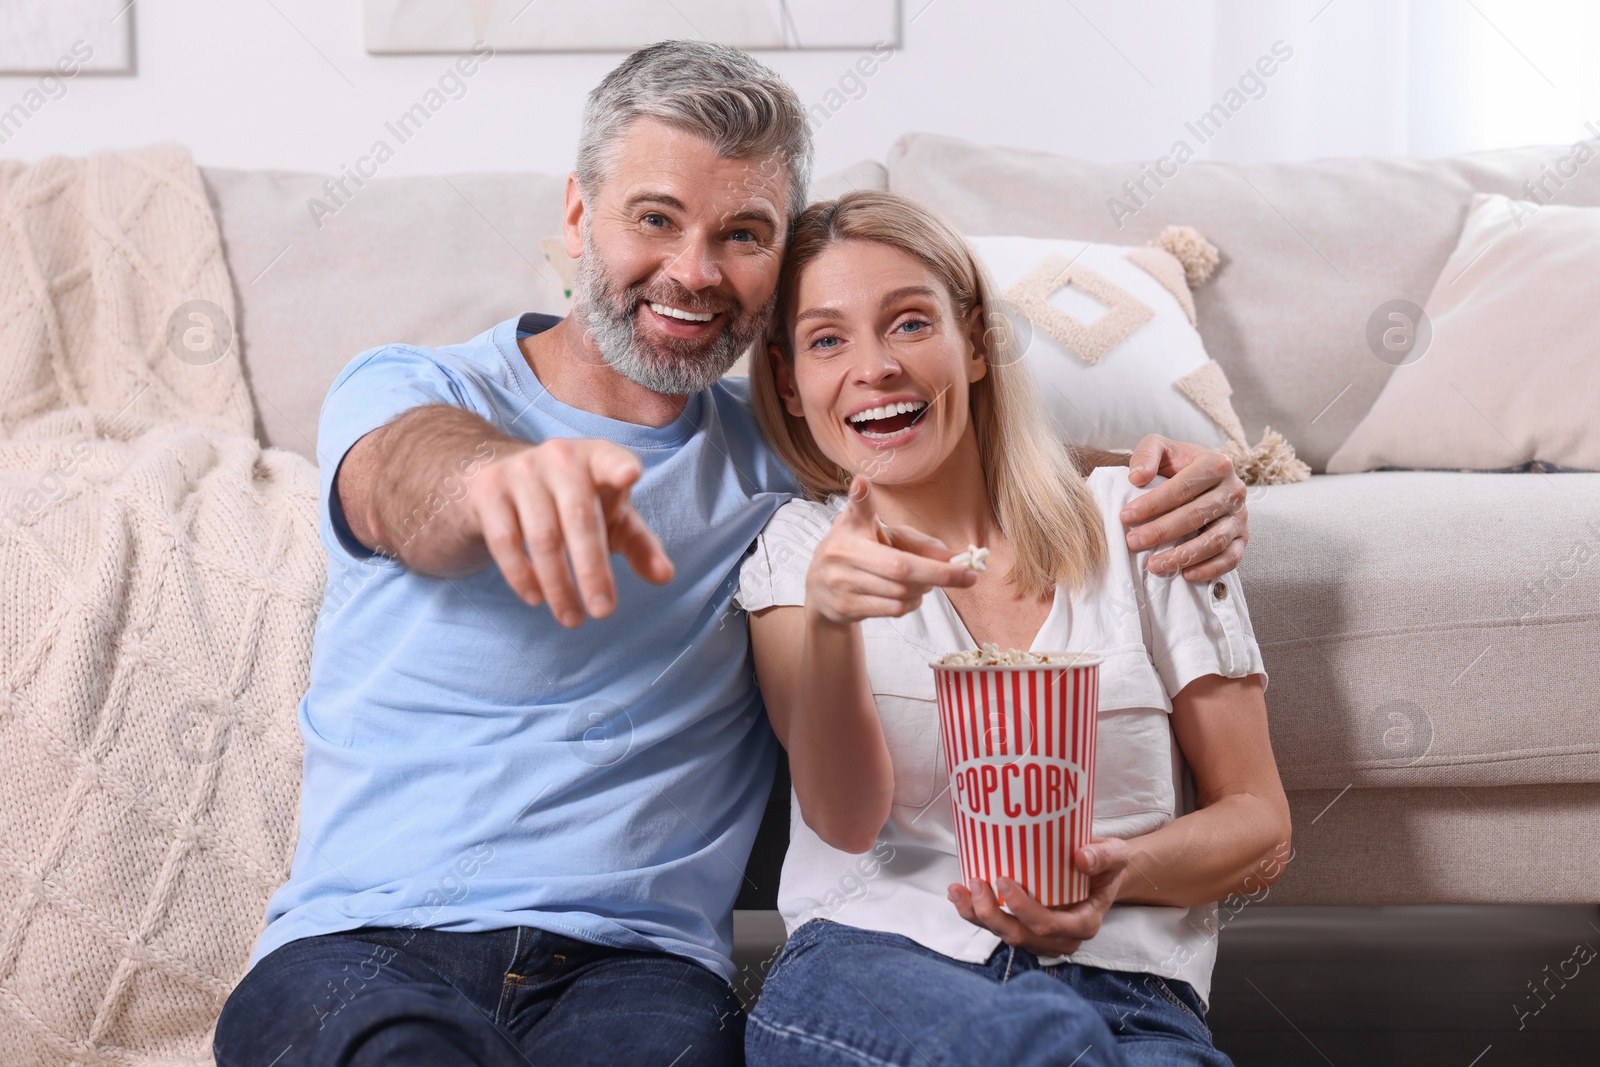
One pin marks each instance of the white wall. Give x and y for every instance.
(286, 84)
(242, 87)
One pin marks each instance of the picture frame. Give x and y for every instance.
(46, 36)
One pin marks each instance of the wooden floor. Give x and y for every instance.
(1364, 987)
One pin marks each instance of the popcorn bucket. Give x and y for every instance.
(1019, 740)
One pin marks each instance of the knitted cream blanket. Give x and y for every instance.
(161, 576)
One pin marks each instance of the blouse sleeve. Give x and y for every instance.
(1198, 628)
(1191, 629)
(774, 574)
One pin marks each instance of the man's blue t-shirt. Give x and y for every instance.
(470, 764)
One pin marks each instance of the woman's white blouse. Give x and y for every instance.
(1156, 635)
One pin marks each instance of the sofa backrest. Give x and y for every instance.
(432, 260)
(1310, 250)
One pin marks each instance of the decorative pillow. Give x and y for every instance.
(1109, 334)
(1509, 378)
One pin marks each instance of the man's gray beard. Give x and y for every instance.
(609, 316)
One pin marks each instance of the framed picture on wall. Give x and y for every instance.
(402, 26)
(43, 36)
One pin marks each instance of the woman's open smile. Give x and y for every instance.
(890, 422)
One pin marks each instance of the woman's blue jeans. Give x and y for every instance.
(841, 995)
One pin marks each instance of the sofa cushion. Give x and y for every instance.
(431, 260)
(1110, 341)
(1429, 629)
(1509, 379)
(1520, 844)
(1310, 250)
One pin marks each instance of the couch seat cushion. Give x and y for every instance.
(1426, 629)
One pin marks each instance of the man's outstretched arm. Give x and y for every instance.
(548, 515)
(1202, 492)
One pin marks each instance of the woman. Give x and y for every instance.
(914, 431)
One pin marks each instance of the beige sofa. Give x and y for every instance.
(1432, 638)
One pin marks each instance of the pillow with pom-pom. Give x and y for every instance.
(1108, 332)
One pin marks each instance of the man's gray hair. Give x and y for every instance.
(719, 93)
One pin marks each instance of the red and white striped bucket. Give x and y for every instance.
(1019, 740)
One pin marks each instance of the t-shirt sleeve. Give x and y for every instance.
(774, 574)
(373, 389)
(1193, 629)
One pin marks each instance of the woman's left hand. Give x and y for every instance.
(1046, 931)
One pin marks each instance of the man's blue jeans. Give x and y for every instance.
(841, 995)
(403, 997)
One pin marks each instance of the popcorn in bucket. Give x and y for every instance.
(1018, 730)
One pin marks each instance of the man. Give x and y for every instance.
(519, 838)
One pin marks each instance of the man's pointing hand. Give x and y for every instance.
(552, 514)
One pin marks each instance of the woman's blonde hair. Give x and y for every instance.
(1039, 499)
